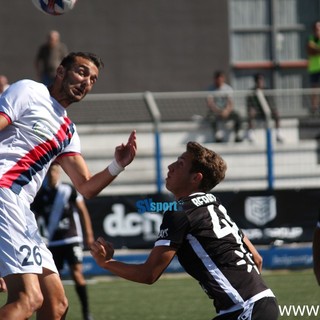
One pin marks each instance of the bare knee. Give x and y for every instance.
(55, 305)
(24, 294)
(33, 300)
(25, 303)
(62, 307)
(59, 310)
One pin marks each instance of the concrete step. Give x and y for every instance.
(295, 161)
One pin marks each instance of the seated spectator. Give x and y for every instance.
(221, 108)
(255, 110)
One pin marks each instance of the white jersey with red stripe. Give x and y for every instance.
(39, 132)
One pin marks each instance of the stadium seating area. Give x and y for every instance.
(105, 120)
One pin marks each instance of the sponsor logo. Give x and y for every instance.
(163, 233)
(148, 205)
(118, 223)
(260, 210)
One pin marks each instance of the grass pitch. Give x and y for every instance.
(180, 297)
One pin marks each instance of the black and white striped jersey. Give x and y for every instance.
(210, 248)
(57, 216)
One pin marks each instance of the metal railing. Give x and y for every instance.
(172, 117)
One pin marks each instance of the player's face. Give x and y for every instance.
(79, 80)
(179, 179)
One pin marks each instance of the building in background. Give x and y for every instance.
(270, 37)
(170, 45)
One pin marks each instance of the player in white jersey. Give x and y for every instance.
(35, 131)
(209, 245)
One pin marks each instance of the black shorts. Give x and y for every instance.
(70, 253)
(263, 309)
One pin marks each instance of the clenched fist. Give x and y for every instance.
(102, 251)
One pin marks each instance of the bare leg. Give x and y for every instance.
(24, 297)
(55, 304)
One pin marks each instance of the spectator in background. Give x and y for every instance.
(61, 215)
(221, 108)
(49, 57)
(255, 110)
(313, 52)
(4, 83)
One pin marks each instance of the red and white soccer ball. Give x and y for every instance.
(54, 7)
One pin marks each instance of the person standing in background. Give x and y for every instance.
(61, 215)
(49, 57)
(313, 52)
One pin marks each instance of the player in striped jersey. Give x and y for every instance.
(35, 131)
(207, 242)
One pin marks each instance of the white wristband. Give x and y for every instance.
(115, 168)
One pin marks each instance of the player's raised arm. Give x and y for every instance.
(91, 185)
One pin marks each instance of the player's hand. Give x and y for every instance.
(3, 286)
(125, 153)
(102, 251)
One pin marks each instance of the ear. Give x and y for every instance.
(197, 178)
(60, 71)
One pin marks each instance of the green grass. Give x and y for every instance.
(175, 298)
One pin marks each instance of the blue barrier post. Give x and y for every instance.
(269, 157)
(269, 150)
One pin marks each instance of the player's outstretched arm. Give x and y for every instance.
(86, 184)
(147, 272)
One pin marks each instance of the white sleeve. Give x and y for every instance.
(15, 99)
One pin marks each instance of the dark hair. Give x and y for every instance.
(207, 162)
(69, 60)
(258, 76)
(218, 74)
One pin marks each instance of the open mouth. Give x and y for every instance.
(78, 91)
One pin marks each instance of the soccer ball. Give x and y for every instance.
(54, 7)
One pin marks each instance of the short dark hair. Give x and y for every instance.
(258, 76)
(209, 163)
(69, 60)
(218, 74)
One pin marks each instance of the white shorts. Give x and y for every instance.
(22, 249)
